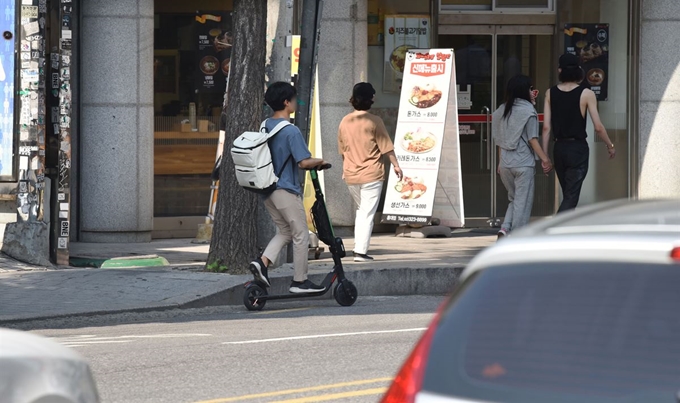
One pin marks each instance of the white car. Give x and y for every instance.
(34, 369)
(581, 308)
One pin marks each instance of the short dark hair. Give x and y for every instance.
(361, 104)
(362, 96)
(278, 93)
(571, 74)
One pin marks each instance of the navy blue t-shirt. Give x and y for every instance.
(289, 148)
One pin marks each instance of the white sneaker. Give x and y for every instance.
(305, 287)
(362, 257)
(502, 233)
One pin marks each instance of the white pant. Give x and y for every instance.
(367, 198)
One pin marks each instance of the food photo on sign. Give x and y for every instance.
(402, 33)
(425, 96)
(419, 141)
(590, 42)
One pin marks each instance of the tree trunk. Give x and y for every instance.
(234, 238)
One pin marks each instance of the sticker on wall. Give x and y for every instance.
(28, 12)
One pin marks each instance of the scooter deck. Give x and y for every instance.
(293, 295)
(327, 283)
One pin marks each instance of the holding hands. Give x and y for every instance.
(612, 151)
(547, 166)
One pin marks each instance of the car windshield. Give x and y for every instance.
(561, 332)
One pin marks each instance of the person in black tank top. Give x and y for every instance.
(567, 121)
(565, 117)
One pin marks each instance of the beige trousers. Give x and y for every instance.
(288, 213)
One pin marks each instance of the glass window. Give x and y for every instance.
(523, 4)
(561, 332)
(191, 64)
(462, 5)
(607, 179)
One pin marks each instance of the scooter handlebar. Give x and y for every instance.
(320, 168)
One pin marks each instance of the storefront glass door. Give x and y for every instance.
(474, 62)
(486, 58)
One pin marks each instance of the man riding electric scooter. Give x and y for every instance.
(289, 153)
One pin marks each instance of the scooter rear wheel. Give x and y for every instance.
(345, 293)
(251, 297)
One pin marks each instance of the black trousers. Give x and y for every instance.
(571, 167)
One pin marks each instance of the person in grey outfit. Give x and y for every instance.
(515, 131)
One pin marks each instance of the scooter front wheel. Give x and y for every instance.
(252, 297)
(345, 293)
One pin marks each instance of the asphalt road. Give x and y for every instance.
(298, 352)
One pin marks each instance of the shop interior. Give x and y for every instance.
(191, 64)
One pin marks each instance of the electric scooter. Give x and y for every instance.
(255, 296)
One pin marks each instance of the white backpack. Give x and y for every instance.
(253, 159)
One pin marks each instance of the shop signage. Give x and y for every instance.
(465, 98)
(427, 124)
(401, 34)
(590, 42)
(213, 41)
(466, 130)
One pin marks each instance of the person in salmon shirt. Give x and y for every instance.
(363, 143)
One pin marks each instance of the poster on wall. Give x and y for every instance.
(7, 62)
(214, 42)
(401, 34)
(427, 123)
(590, 42)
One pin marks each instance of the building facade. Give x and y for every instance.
(111, 117)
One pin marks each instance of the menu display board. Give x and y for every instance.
(590, 42)
(214, 42)
(427, 112)
(401, 34)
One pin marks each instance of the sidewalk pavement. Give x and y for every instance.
(402, 266)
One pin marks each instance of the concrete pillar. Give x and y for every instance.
(117, 112)
(343, 61)
(659, 146)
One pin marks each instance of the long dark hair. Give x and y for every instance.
(519, 87)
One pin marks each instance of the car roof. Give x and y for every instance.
(616, 216)
(621, 231)
(17, 344)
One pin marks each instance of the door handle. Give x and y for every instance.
(487, 112)
(481, 147)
